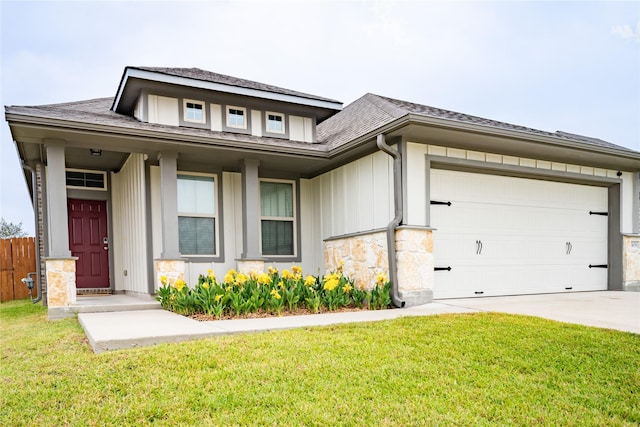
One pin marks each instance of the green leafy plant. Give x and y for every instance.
(272, 292)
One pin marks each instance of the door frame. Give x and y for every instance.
(106, 197)
(614, 238)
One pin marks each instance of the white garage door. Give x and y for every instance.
(509, 236)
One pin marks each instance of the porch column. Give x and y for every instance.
(169, 205)
(250, 210)
(60, 266)
(57, 197)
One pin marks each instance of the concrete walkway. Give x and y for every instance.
(129, 329)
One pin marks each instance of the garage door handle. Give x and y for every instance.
(478, 247)
(598, 266)
(441, 268)
(599, 213)
(436, 202)
(569, 248)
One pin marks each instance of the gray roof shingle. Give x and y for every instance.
(209, 76)
(371, 112)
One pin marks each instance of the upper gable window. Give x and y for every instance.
(236, 117)
(275, 122)
(194, 111)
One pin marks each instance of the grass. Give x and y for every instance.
(472, 369)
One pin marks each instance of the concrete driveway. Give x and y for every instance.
(604, 309)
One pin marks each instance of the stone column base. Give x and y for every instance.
(247, 266)
(61, 286)
(631, 262)
(172, 269)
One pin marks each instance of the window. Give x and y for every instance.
(275, 122)
(277, 218)
(86, 180)
(237, 117)
(194, 111)
(197, 219)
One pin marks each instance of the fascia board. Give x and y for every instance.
(161, 137)
(219, 87)
(514, 134)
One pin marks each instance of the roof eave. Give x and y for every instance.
(15, 119)
(131, 72)
(519, 135)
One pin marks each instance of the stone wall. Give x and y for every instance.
(364, 255)
(631, 262)
(247, 266)
(172, 269)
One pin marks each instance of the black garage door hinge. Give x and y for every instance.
(436, 202)
(441, 268)
(598, 266)
(599, 213)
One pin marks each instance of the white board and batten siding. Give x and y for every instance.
(509, 236)
(130, 226)
(163, 110)
(353, 198)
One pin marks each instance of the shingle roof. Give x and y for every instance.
(371, 112)
(98, 112)
(209, 76)
(365, 115)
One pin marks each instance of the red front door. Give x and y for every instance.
(89, 241)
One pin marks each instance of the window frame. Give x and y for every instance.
(216, 215)
(77, 187)
(287, 257)
(266, 122)
(228, 116)
(186, 101)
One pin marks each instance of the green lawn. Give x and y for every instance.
(472, 369)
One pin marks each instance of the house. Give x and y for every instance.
(186, 170)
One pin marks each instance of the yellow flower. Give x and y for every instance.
(310, 280)
(228, 278)
(281, 284)
(275, 294)
(210, 274)
(229, 288)
(241, 278)
(180, 284)
(218, 297)
(205, 285)
(273, 270)
(340, 265)
(164, 280)
(331, 284)
(347, 288)
(286, 274)
(264, 279)
(381, 279)
(296, 269)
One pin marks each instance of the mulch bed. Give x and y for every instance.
(265, 314)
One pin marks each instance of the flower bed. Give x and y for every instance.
(272, 293)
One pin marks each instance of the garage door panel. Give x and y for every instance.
(508, 236)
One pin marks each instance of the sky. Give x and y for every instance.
(571, 66)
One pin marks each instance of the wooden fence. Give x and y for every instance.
(17, 258)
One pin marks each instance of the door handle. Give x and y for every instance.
(569, 247)
(478, 247)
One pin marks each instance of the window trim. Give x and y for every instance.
(293, 219)
(215, 216)
(186, 101)
(266, 122)
(77, 187)
(228, 116)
